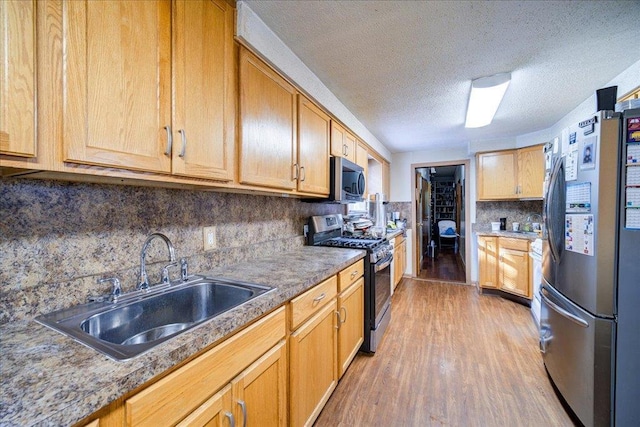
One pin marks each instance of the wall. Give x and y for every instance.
(57, 239)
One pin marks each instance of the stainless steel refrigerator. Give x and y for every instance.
(590, 316)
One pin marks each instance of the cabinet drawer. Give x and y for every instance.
(181, 392)
(515, 244)
(350, 274)
(305, 305)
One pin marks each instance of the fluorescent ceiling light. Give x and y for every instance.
(486, 95)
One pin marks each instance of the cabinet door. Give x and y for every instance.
(215, 412)
(267, 125)
(117, 83)
(18, 77)
(351, 328)
(530, 172)
(488, 260)
(313, 371)
(350, 146)
(362, 159)
(337, 139)
(314, 127)
(497, 175)
(204, 70)
(260, 392)
(514, 272)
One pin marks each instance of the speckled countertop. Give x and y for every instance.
(50, 379)
(486, 231)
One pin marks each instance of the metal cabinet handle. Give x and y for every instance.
(355, 272)
(243, 406)
(232, 420)
(345, 315)
(338, 321)
(183, 135)
(295, 171)
(167, 152)
(302, 173)
(344, 150)
(319, 297)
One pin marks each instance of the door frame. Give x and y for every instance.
(467, 213)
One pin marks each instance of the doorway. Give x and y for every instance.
(441, 214)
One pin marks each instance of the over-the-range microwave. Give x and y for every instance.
(346, 182)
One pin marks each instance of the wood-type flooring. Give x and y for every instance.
(450, 357)
(445, 266)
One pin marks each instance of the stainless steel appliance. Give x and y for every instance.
(326, 230)
(346, 180)
(590, 296)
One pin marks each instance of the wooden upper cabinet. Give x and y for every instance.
(204, 88)
(268, 148)
(531, 172)
(511, 174)
(497, 175)
(314, 127)
(362, 159)
(386, 178)
(343, 143)
(117, 83)
(18, 77)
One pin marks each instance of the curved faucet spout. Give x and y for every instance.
(144, 279)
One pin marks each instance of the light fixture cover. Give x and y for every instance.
(484, 99)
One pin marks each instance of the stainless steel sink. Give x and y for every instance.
(141, 320)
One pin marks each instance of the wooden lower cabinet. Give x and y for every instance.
(313, 373)
(488, 261)
(514, 272)
(176, 396)
(263, 375)
(260, 392)
(351, 324)
(504, 265)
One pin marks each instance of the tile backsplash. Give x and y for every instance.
(57, 238)
(514, 211)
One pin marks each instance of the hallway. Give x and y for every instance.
(450, 357)
(446, 266)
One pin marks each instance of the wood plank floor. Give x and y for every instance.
(450, 357)
(445, 266)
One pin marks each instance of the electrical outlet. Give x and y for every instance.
(209, 238)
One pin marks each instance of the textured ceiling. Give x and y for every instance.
(404, 68)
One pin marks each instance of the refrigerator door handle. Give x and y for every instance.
(551, 232)
(562, 311)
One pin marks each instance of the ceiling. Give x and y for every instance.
(404, 68)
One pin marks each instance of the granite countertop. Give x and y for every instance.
(486, 231)
(49, 379)
(395, 233)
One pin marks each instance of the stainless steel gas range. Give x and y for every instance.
(326, 230)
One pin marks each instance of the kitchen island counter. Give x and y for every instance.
(49, 379)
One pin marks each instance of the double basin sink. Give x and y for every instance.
(141, 320)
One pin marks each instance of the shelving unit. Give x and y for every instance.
(443, 203)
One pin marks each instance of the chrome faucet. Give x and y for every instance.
(144, 279)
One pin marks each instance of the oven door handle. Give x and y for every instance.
(384, 263)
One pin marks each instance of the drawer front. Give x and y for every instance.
(515, 244)
(305, 305)
(350, 274)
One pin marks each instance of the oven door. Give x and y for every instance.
(382, 288)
